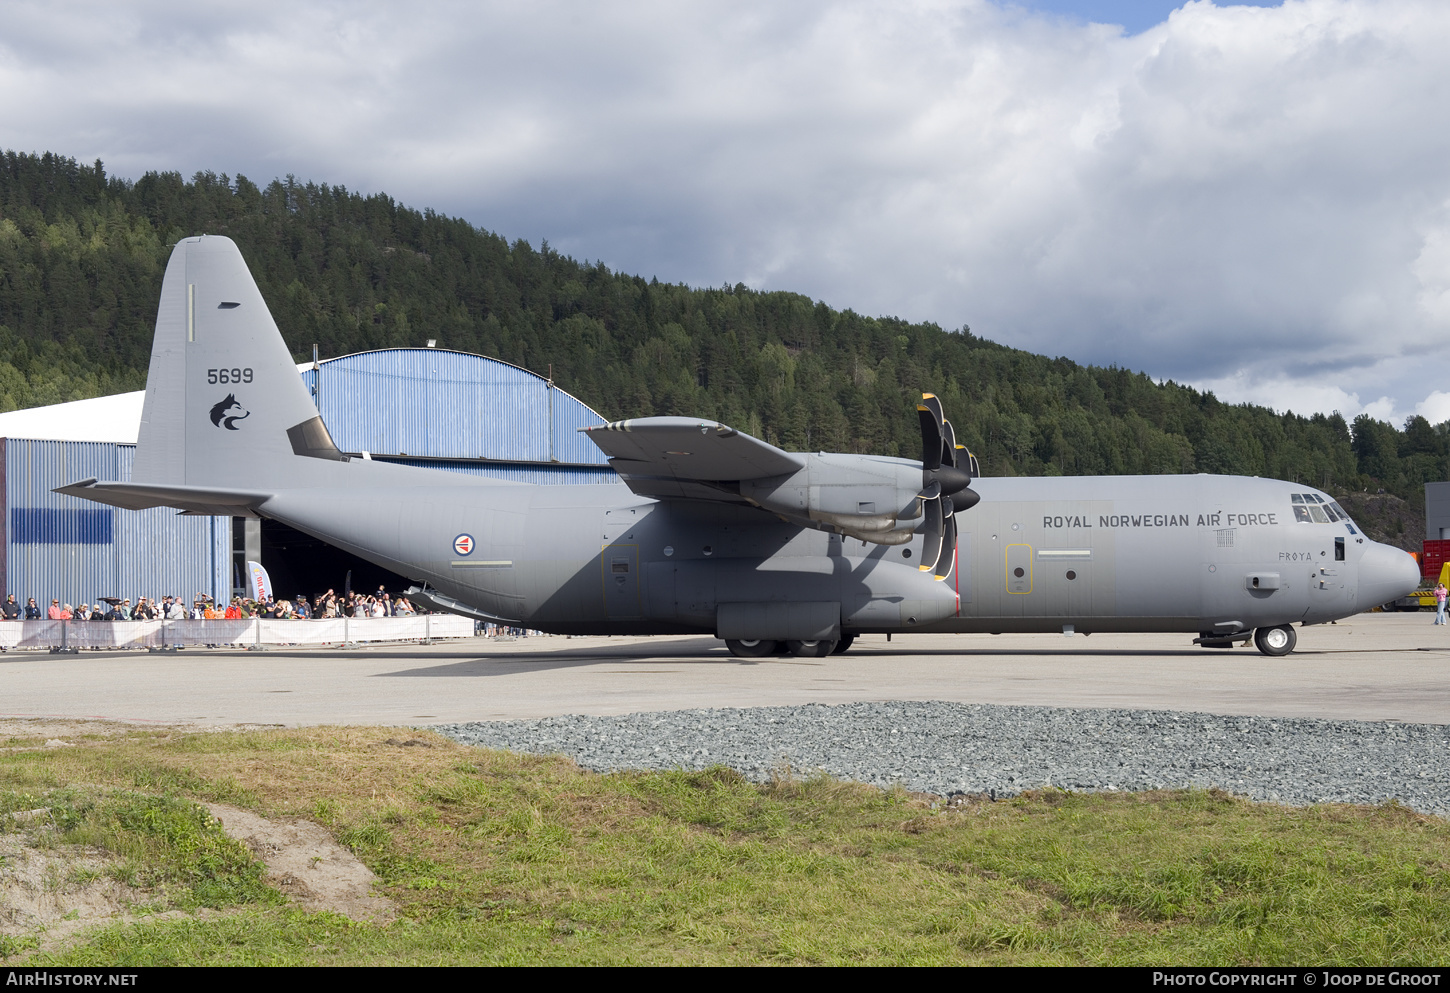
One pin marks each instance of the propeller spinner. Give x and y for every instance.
(942, 480)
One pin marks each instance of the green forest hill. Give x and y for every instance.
(82, 256)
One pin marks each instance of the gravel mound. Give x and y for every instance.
(943, 748)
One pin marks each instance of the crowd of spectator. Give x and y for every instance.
(204, 607)
(491, 630)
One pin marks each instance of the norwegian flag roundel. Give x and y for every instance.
(463, 544)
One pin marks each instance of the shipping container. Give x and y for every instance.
(1434, 554)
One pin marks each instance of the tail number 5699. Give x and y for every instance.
(228, 376)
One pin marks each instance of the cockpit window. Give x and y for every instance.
(1343, 517)
(1311, 508)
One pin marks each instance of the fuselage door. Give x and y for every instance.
(1019, 569)
(619, 564)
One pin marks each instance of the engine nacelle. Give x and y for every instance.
(861, 496)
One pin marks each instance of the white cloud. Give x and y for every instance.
(1298, 396)
(1382, 409)
(1240, 194)
(1435, 408)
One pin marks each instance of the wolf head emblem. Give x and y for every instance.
(226, 413)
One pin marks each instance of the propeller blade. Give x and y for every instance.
(948, 444)
(931, 538)
(931, 437)
(946, 469)
(931, 403)
(948, 559)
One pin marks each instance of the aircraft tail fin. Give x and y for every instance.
(225, 407)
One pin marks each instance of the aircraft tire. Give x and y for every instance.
(844, 645)
(752, 648)
(1275, 641)
(811, 649)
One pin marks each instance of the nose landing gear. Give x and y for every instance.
(1275, 641)
(1272, 641)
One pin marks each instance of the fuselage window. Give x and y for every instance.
(1339, 549)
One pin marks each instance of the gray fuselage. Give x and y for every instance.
(1147, 553)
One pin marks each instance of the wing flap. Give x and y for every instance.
(666, 488)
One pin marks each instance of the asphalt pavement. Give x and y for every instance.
(1372, 667)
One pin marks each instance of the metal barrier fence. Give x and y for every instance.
(243, 634)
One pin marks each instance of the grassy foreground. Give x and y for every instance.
(498, 858)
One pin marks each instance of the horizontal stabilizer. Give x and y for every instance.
(687, 449)
(190, 499)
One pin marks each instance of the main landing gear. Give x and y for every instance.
(752, 648)
(759, 648)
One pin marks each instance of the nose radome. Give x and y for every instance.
(1386, 574)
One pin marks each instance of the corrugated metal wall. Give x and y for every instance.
(62, 549)
(444, 404)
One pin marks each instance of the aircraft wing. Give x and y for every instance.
(198, 500)
(684, 457)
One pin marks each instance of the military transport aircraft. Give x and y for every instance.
(719, 533)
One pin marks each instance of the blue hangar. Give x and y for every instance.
(446, 410)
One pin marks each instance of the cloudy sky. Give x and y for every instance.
(1252, 199)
